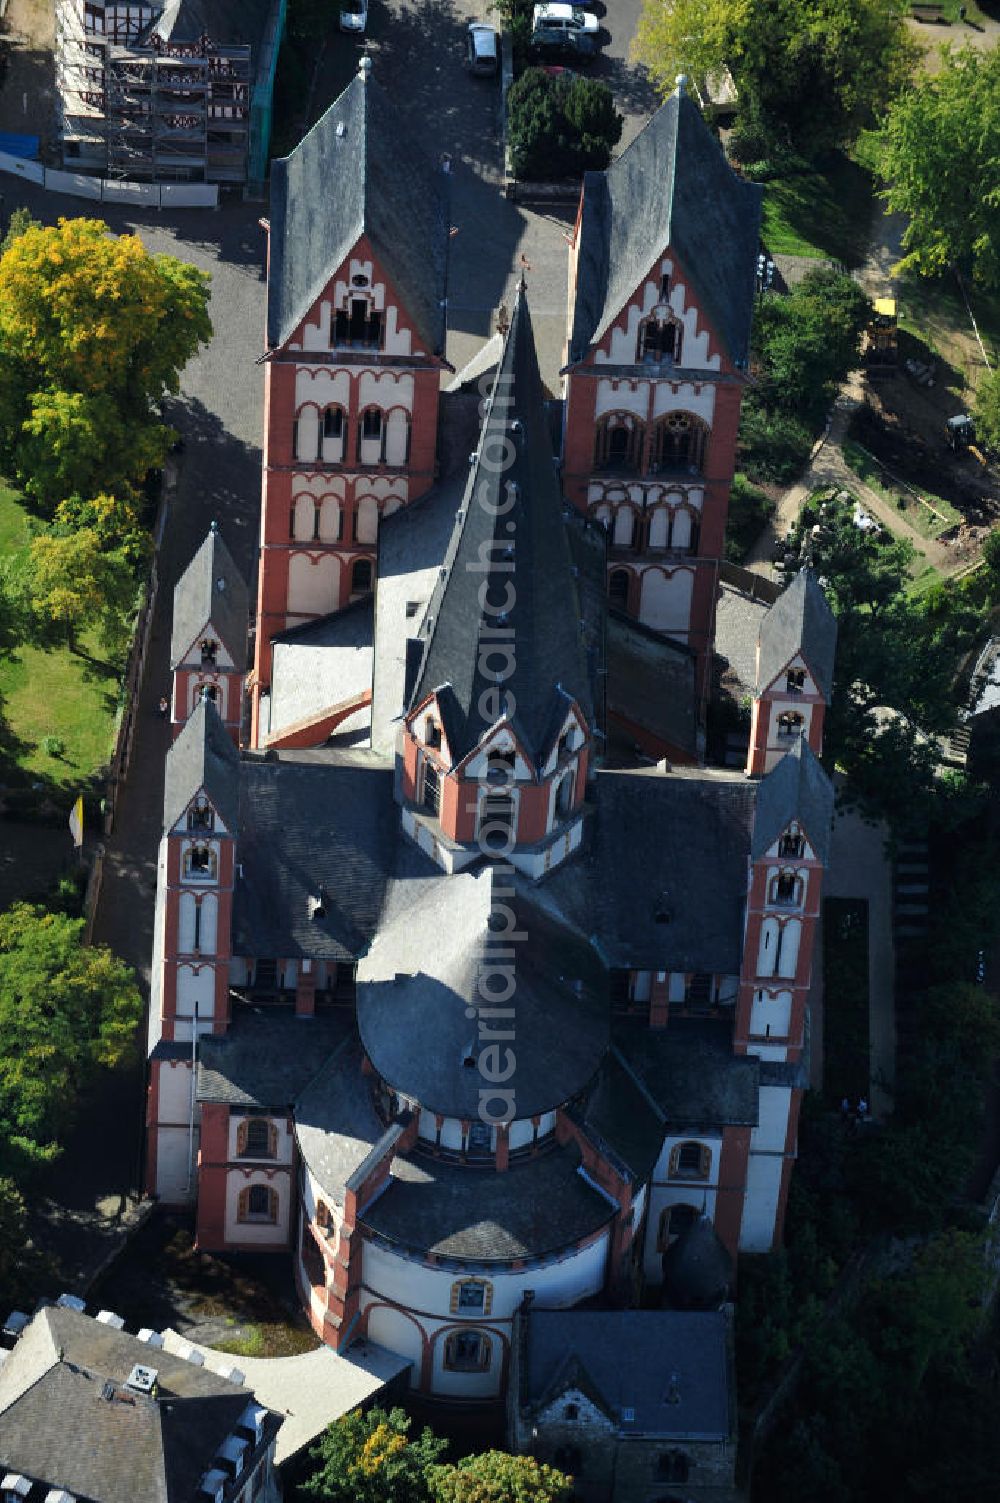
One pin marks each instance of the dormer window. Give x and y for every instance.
(501, 765)
(795, 681)
(209, 649)
(790, 724)
(565, 748)
(432, 733)
(200, 816)
(792, 842)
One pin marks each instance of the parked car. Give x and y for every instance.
(557, 29)
(353, 15)
(482, 49)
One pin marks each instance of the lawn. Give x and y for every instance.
(846, 1043)
(934, 311)
(825, 212)
(930, 515)
(65, 700)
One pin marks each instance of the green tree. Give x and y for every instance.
(560, 127)
(94, 332)
(807, 342)
(371, 1458)
(496, 1477)
(811, 72)
(23, 1270)
(70, 582)
(939, 156)
(66, 1010)
(987, 411)
(21, 219)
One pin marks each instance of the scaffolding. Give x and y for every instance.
(140, 108)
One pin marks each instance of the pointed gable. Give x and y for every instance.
(797, 789)
(211, 591)
(357, 172)
(511, 514)
(203, 758)
(799, 622)
(671, 187)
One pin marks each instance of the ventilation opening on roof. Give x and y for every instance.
(142, 1379)
(663, 912)
(412, 607)
(317, 904)
(469, 1059)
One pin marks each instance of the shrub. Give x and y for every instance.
(774, 446)
(749, 511)
(560, 127)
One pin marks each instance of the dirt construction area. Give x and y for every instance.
(27, 70)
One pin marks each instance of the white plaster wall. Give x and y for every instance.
(311, 1193)
(323, 384)
(385, 389)
(285, 1143)
(772, 1125)
(319, 486)
(313, 584)
(478, 764)
(777, 1052)
(684, 397)
(172, 1165)
(770, 1010)
(397, 1333)
(624, 337)
(262, 1233)
(666, 600)
(195, 985)
(760, 1207)
(622, 396)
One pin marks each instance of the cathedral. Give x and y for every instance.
(474, 987)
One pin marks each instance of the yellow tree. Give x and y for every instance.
(71, 582)
(695, 37)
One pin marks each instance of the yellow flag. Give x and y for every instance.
(76, 822)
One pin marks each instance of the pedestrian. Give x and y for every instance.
(862, 1109)
(164, 707)
(845, 1109)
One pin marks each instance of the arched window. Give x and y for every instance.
(674, 1466)
(312, 1257)
(361, 577)
(679, 441)
(257, 1138)
(496, 824)
(467, 1352)
(618, 588)
(673, 1221)
(566, 794)
(258, 1203)
(690, 1160)
(785, 888)
(432, 732)
(790, 724)
(332, 450)
(792, 843)
(624, 533)
(371, 436)
(200, 861)
(659, 339)
(366, 520)
(200, 815)
(430, 794)
(471, 1297)
(618, 444)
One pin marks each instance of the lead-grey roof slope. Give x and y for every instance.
(228, 23)
(635, 1357)
(58, 1425)
(203, 756)
(671, 186)
(688, 835)
(414, 998)
(512, 515)
(795, 788)
(690, 1072)
(266, 1058)
(357, 172)
(211, 589)
(799, 621)
(312, 826)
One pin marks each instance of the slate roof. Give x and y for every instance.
(671, 186)
(522, 531)
(211, 589)
(800, 620)
(690, 1071)
(312, 821)
(430, 964)
(321, 664)
(795, 788)
(336, 1124)
(267, 1057)
(697, 1269)
(229, 23)
(57, 1425)
(688, 835)
(203, 756)
(634, 1357)
(538, 1206)
(623, 1118)
(357, 172)
(651, 682)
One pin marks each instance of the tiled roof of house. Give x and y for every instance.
(67, 1419)
(316, 836)
(634, 1357)
(424, 972)
(512, 517)
(358, 172)
(796, 788)
(211, 589)
(203, 756)
(671, 187)
(799, 621)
